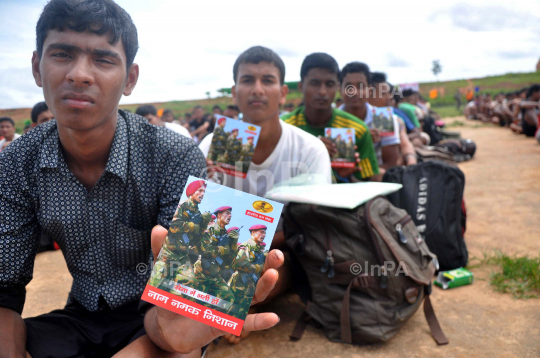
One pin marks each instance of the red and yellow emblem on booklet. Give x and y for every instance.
(213, 254)
(233, 145)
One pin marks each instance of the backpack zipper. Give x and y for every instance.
(399, 227)
(328, 265)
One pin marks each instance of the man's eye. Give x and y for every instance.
(102, 60)
(61, 55)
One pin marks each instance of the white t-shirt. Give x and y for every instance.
(296, 153)
(3, 141)
(178, 129)
(386, 140)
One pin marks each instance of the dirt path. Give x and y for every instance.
(502, 196)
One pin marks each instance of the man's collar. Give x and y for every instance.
(118, 158)
(302, 111)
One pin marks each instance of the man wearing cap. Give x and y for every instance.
(219, 140)
(216, 244)
(185, 233)
(247, 153)
(249, 263)
(234, 147)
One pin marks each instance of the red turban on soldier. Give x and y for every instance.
(194, 186)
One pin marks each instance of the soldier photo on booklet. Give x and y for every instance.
(233, 145)
(213, 255)
(383, 121)
(343, 138)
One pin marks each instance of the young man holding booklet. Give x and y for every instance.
(103, 184)
(283, 151)
(319, 83)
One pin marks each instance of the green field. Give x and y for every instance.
(444, 105)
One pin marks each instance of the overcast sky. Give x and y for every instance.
(188, 48)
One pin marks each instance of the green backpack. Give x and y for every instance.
(362, 272)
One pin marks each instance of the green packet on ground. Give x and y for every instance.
(454, 278)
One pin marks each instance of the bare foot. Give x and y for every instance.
(232, 339)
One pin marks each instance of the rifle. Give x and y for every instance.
(223, 240)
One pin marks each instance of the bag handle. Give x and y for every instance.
(301, 325)
(433, 323)
(362, 280)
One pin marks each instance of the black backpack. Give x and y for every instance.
(432, 130)
(432, 194)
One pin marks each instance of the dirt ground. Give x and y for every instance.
(502, 194)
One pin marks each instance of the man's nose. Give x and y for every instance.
(81, 74)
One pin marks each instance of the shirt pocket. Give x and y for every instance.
(129, 247)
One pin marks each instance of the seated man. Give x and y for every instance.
(149, 112)
(40, 114)
(198, 126)
(405, 102)
(357, 75)
(529, 111)
(7, 132)
(319, 82)
(97, 180)
(283, 151)
(231, 111)
(392, 155)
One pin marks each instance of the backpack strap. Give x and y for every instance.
(301, 325)
(433, 323)
(345, 320)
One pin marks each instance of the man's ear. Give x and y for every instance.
(132, 78)
(35, 69)
(284, 92)
(233, 92)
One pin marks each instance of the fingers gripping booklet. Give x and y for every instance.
(213, 255)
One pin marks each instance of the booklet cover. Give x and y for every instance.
(344, 141)
(233, 145)
(383, 121)
(213, 255)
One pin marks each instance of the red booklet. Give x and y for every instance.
(212, 258)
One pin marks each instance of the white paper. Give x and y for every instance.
(346, 196)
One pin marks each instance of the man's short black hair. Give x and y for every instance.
(167, 111)
(197, 107)
(99, 17)
(378, 77)
(408, 92)
(233, 107)
(319, 60)
(216, 107)
(258, 54)
(146, 110)
(533, 89)
(356, 67)
(7, 119)
(39, 108)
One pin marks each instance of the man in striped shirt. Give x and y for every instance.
(319, 83)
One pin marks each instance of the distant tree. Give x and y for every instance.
(208, 94)
(436, 69)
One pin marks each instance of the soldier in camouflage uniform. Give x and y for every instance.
(234, 147)
(248, 263)
(226, 268)
(183, 239)
(341, 147)
(247, 153)
(215, 246)
(350, 150)
(219, 140)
